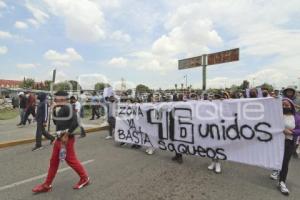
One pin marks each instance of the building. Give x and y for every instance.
(10, 83)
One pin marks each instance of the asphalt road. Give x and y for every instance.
(121, 173)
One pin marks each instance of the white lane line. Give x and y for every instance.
(39, 177)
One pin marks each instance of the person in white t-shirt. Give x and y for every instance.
(77, 107)
(155, 100)
(82, 99)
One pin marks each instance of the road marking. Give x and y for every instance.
(39, 177)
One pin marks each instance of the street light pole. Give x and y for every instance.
(51, 92)
(204, 64)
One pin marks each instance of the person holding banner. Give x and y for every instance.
(155, 99)
(291, 131)
(178, 156)
(111, 115)
(216, 165)
(290, 93)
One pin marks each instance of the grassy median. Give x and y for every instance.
(6, 114)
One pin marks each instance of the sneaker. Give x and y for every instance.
(108, 137)
(211, 166)
(274, 175)
(37, 148)
(82, 183)
(42, 188)
(21, 126)
(295, 155)
(135, 146)
(218, 168)
(283, 189)
(150, 151)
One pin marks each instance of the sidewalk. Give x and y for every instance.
(9, 131)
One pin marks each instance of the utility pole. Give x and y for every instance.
(52, 96)
(204, 57)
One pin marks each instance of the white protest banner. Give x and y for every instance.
(248, 131)
(108, 91)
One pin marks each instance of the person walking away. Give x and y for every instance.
(82, 100)
(30, 108)
(41, 122)
(66, 122)
(76, 108)
(111, 115)
(22, 106)
(291, 131)
(95, 110)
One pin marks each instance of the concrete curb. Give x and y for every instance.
(31, 140)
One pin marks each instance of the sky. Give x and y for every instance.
(141, 41)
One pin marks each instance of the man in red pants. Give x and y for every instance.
(65, 119)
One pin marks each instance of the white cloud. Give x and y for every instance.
(84, 21)
(27, 66)
(265, 36)
(16, 38)
(33, 22)
(120, 36)
(3, 50)
(88, 81)
(63, 59)
(188, 36)
(2, 4)
(5, 35)
(69, 55)
(118, 62)
(39, 15)
(20, 25)
(108, 4)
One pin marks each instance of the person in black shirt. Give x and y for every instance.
(66, 122)
(41, 122)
